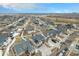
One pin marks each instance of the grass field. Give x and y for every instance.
(64, 20)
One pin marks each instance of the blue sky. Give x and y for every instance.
(39, 7)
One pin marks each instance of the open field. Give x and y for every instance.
(64, 20)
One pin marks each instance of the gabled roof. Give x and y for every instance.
(37, 38)
(23, 46)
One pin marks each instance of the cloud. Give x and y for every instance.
(19, 6)
(63, 11)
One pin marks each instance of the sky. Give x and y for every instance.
(39, 7)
